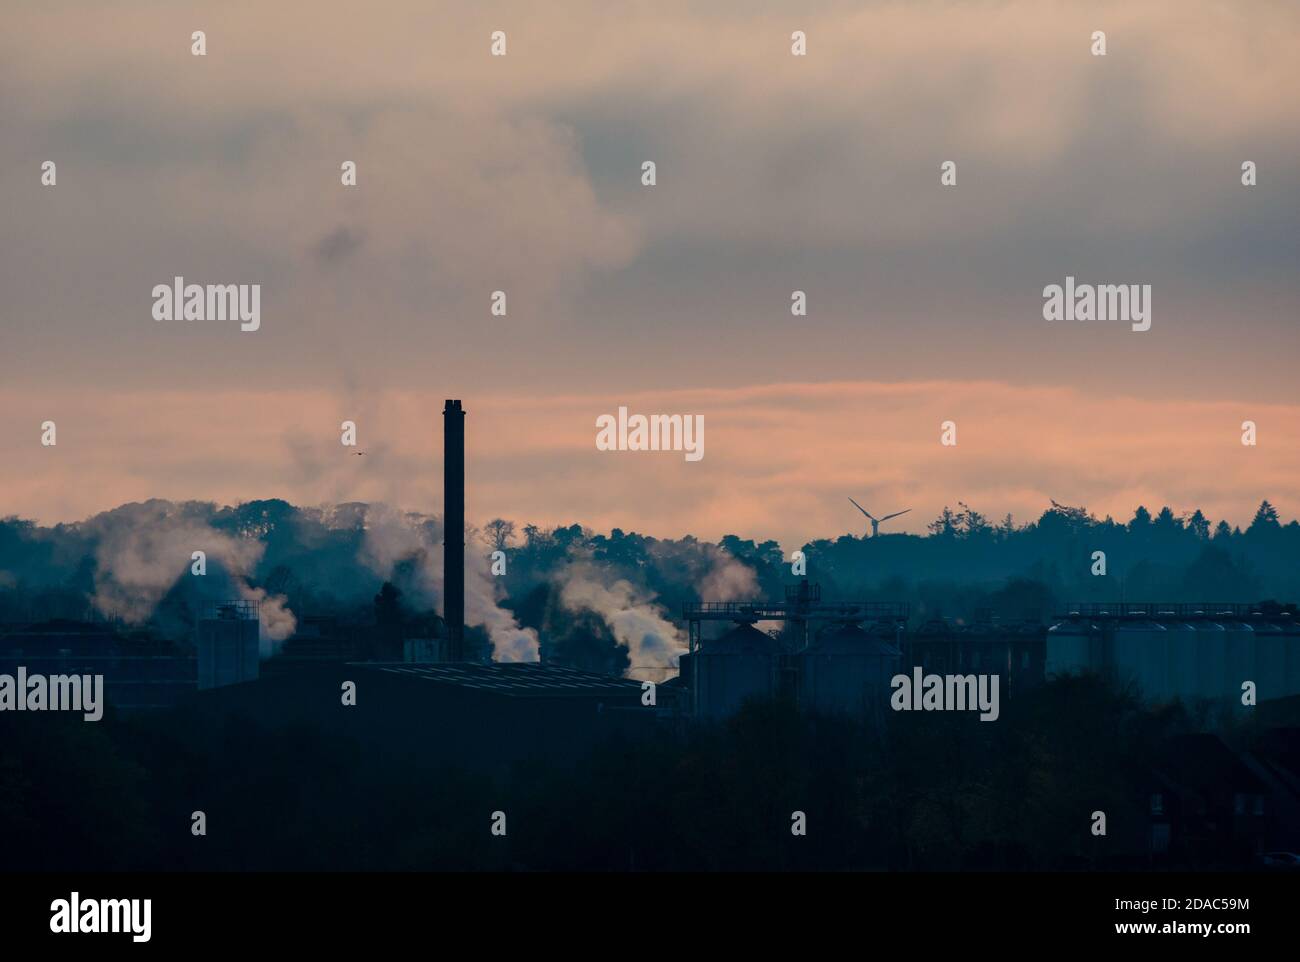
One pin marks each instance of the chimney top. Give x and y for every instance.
(452, 406)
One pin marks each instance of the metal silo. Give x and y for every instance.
(1180, 659)
(1069, 648)
(227, 644)
(847, 671)
(1270, 660)
(1139, 653)
(1239, 660)
(740, 664)
(1211, 658)
(1291, 648)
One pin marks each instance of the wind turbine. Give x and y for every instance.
(876, 522)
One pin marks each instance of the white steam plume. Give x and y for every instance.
(143, 549)
(654, 644)
(393, 537)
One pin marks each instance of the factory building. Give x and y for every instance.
(833, 658)
(1191, 652)
(743, 663)
(1015, 651)
(480, 717)
(846, 669)
(141, 671)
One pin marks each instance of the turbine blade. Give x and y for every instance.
(862, 509)
(895, 514)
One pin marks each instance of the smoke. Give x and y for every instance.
(145, 551)
(654, 644)
(702, 569)
(404, 547)
(277, 621)
(411, 544)
(727, 579)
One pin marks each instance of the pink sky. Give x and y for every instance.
(780, 460)
(775, 174)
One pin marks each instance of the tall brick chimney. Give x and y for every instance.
(453, 535)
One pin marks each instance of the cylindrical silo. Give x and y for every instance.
(847, 671)
(1239, 660)
(1211, 658)
(1270, 660)
(1291, 654)
(1068, 648)
(740, 664)
(1139, 653)
(1180, 660)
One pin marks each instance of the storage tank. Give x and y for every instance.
(847, 671)
(227, 645)
(1069, 648)
(1291, 648)
(1139, 653)
(1180, 660)
(1270, 660)
(1239, 660)
(738, 665)
(1211, 658)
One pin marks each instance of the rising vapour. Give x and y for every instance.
(394, 538)
(634, 616)
(654, 644)
(143, 550)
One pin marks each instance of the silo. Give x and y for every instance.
(847, 671)
(1068, 648)
(1239, 660)
(1180, 660)
(740, 664)
(227, 645)
(1270, 660)
(1139, 652)
(1211, 658)
(1291, 647)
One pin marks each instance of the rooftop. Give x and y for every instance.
(517, 680)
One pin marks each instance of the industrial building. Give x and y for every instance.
(1192, 652)
(140, 671)
(1016, 651)
(482, 717)
(833, 658)
(227, 640)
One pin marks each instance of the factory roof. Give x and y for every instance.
(517, 680)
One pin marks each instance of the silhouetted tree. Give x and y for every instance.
(1265, 519)
(499, 533)
(944, 526)
(1199, 525)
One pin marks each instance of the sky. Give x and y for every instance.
(775, 173)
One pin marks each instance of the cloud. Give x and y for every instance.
(781, 459)
(639, 624)
(520, 174)
(393, 537)
(337, 245)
